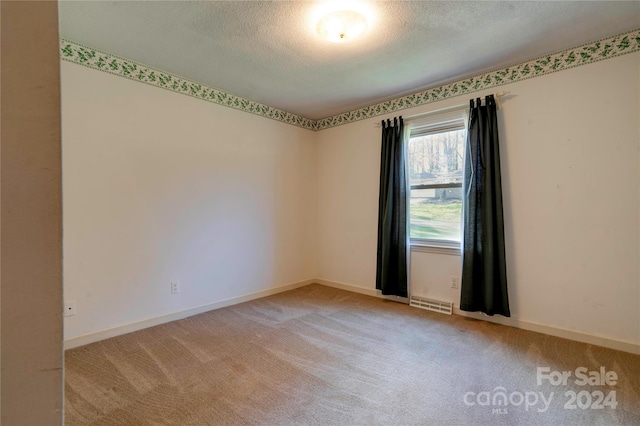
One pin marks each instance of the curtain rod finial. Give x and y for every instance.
(497, 97)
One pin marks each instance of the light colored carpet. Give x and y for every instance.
(318, 355)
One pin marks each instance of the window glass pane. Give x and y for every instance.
(436, 158)
(436, 213)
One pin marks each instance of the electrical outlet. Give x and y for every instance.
(69, 308)
(175, 287)
(454, 282)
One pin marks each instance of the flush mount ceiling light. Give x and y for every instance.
(341, 25)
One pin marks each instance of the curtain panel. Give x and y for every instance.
(484, 269)
(391, 271)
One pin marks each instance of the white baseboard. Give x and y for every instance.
(593, 339)
(577, 336)
(348, 287)
(361, 290)
(96, 336)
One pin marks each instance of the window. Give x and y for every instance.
(435, 166)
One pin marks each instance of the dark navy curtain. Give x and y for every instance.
(391, 274)
(484, 268)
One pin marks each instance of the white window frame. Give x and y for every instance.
(427, 125)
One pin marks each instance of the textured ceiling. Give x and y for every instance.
(267, 51)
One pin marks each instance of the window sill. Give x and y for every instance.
(448, 249)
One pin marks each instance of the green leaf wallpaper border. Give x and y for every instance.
(582, 55)
(586, 54)
(93, 58)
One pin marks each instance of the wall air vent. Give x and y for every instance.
(431, 305)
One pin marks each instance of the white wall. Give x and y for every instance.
(569, 145)
(159, 186)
